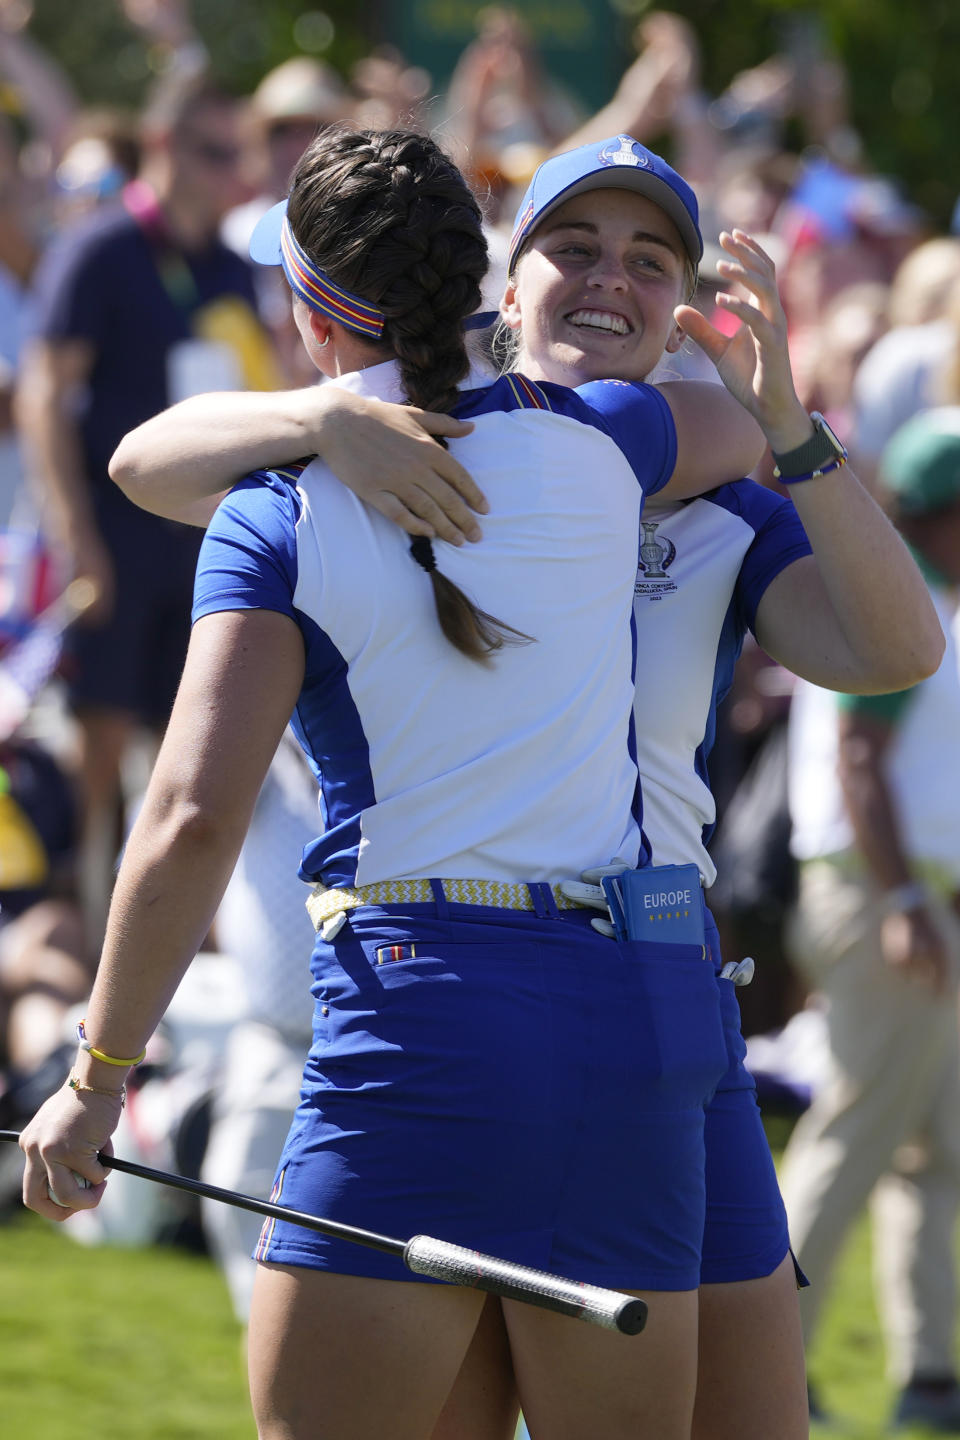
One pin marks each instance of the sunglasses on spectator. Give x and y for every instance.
(296, 125)
(213, 152)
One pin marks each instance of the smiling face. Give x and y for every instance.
(594, 292)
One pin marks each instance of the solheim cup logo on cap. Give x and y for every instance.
(656, 557)
(625, 151)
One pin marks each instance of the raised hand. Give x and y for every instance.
(15, 15)
(754, 363)
(165, 22)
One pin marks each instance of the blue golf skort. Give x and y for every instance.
(508, 1081)
(745, 1236)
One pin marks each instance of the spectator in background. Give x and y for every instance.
(852, 323)
(39, 95)
(65, 163)
(44, 965)
(659, 93)
(291, 105)
(43, 94)
(19, 248)
(920, 289)
(875, 795)
(138, 305)
(838, 229)
(915, 365)
(505, 114)
(101, 155)
(263, 924)
(756, 878)
(390, 92)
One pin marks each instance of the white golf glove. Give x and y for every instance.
(589, 892)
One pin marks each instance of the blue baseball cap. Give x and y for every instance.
(620, 163)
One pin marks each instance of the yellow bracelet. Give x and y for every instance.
(75, 1084)
(99, 1054)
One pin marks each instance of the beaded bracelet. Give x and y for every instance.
(76, 1085)
(821, 453)
(823, 469)
(99, 1054)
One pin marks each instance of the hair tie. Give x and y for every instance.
(421, 548)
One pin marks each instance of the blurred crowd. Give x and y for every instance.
(838, 846)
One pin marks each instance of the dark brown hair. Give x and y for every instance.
(388, 216)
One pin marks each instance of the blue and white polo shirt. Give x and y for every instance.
(428, 763)
(704, 567)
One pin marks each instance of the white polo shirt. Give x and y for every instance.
(704, 567)
(428, 763)
(922, 765)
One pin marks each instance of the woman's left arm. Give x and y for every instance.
(240, 684)
(181, 462)
(857, 616)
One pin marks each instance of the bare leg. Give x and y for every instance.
(578, 1382)
(342, 1357)
(751, 1383)
(483, 1404)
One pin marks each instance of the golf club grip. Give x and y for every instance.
(458, 1266)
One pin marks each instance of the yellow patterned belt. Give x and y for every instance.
(322, 904)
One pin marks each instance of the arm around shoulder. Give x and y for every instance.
(180, 463)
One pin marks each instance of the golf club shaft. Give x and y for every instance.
(453, 1264)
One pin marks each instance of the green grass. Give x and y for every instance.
(142, 1344)
(846, 1362)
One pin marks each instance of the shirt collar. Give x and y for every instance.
(382, 382)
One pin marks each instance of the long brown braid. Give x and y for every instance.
(389, 217)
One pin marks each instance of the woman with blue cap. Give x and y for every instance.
(606, 245)
(485, 1066)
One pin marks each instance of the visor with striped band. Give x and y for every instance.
(274, 243)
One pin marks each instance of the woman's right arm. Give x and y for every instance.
(180, 463)
(242, 676)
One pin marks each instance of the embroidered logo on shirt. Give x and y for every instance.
(656, 556)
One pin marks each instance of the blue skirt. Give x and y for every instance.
(511, 1082)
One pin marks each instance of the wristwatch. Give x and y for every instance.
(817, 456)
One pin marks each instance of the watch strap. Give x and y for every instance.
(818, 455)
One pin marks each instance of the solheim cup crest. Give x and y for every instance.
(624, 151)
(656, 557)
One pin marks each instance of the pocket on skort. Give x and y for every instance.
(681, 1052)
(435, 1021)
